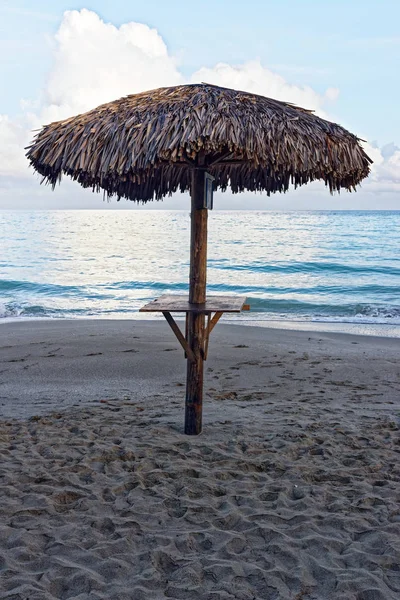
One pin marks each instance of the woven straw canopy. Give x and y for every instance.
(144, 146)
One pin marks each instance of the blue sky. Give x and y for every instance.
(350, 46)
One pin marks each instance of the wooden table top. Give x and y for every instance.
(175, 303)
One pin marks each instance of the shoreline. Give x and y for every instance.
(385, 330)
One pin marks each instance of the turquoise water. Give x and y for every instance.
(295, 267)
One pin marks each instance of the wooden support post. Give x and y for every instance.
(197, 295)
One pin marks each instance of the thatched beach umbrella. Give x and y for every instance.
(149, 145)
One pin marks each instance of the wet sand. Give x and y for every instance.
(291, 492)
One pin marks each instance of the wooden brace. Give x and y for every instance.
(182, 339)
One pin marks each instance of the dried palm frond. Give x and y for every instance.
(144, 146)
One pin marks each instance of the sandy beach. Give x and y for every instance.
(291, 492)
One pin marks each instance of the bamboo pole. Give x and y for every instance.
(197, 295)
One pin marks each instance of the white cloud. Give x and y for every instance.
(253, 77)
(96, 62)
(385, 170)
(389, 169)
(14, 135)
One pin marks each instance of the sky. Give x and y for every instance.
(339, 58)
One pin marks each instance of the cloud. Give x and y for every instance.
(14, 135)
(389, 169)
(385, 170)
(389, 150)
(95, 62)
(254, 77)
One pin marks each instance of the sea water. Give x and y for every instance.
(321, 269)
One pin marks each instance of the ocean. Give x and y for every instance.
(324, 270)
